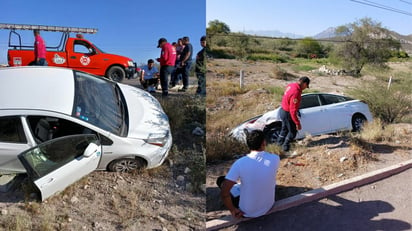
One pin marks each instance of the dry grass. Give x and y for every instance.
(361, 150)
(280, 73)
(222, 147)
(376, 132)
(19, 222)
(125, 206)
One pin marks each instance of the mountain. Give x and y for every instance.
(272, 33)
(328, 33)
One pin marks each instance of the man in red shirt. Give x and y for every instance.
(289, 112)
(39, 49)
(167, 62)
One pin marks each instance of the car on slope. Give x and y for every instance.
(319, 113)
(38, 104)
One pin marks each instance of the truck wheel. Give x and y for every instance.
(116, 73)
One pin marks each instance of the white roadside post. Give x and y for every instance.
(390, 82)
(241, 79)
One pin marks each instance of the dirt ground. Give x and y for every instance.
(320, 160)
(158, 199)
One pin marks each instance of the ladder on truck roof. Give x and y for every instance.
(66, 33)
(47, 28)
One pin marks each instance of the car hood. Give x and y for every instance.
(255, 123)
(145, 113)
(117, 57)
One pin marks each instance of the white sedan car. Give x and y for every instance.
(319, 113)
(38, 104)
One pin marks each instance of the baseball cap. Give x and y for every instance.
(161, 40)
(305, 79)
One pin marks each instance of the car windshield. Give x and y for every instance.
(101, 103)
(100, 50)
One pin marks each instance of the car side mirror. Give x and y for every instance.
(91, 149)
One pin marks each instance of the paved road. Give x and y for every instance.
(383, 205)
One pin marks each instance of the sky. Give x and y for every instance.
(307, 17)
(130, 28)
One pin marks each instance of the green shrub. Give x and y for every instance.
(221, 54)
(303, 68)
(389, 105)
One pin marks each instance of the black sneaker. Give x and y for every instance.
(220, 180)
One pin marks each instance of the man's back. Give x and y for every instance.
(257, 174)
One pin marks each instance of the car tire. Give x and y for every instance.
(116, 73)
(272, 132)
(357, 122)
(126, 165)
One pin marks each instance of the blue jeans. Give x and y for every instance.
(185, 71)
(42, 62)
(165, 72)
(288, 131)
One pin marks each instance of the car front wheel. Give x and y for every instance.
(358, 122)
(126, 165)
(272, 132)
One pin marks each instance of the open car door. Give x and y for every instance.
(58, 163)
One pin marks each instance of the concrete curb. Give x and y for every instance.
(318, 193)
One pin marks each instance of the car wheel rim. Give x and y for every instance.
(273, 135)
(358, 124)
(116, 76)
(125, 166)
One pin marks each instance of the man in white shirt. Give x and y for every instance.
(257, 175)
(149, 76)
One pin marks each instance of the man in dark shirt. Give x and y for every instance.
(201, 68)
(186, 62)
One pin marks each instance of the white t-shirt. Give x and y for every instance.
(149, 74)
(257, 174)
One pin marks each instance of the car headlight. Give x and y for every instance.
(158, 139)
(130, 63)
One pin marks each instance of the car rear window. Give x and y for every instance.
(11, 130)
(331, 99)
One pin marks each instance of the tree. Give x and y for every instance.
(216, 27)
(364, 42)
(308, 48)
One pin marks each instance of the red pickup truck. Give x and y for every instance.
(75, 53)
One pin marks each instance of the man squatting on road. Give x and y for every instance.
(257, 174)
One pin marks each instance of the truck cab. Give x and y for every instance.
(72, 52)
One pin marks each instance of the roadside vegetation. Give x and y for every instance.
(355, 45)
